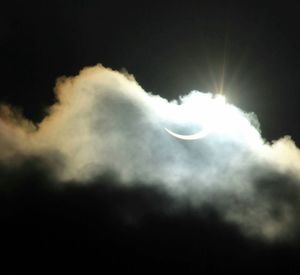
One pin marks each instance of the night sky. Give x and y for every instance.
(99, 224)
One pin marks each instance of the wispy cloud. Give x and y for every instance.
(104, 121)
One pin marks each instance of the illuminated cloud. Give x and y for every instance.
(104, 121)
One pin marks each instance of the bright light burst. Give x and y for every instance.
(215, 116)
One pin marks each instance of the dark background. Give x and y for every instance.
(105, 227)
(171, 48)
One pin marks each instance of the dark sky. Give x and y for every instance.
(171, 48)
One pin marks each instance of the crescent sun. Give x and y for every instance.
(195, 136)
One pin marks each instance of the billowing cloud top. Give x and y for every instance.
(104, 121)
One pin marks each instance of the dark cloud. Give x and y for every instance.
(78, 227)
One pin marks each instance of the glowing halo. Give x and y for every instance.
(214, 107)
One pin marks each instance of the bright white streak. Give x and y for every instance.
(219, 100)
(198, 135)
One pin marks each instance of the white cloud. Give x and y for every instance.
(104, 121)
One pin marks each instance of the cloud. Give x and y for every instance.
(103, 121)
(105, 225)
